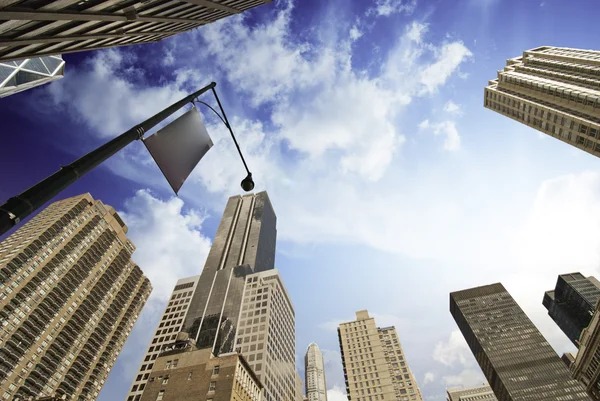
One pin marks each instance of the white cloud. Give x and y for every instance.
(169, 244)
(429, 378)
(386, 8)
(466, 378)
(454, 351)
(355, 33)
(449, 57)
(452, 108)
(336, 394)
(447, 128)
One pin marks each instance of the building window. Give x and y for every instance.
(160, 395)
(212, 386)
(189, 376)
(165, 380)
(215, 370)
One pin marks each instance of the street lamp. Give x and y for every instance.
(18, 207)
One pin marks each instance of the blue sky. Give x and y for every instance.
(365, 123)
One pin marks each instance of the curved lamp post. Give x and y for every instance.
(18, 207)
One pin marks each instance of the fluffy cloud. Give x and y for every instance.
(446, 128)
(428, 378)
(452, 108)
(449, 57)
(337, 394)
(169, 244)
(466, 378)
(453, 351)
(388, 7)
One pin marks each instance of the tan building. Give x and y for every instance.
(375, 367)
(31, 29)
(554, 90)
(299, 391)
(69, 297)
(267, 334)
(314, 374)
(586, 367)
(188, 373)
(481, 393)
(169, 326)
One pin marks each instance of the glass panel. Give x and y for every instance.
(52, 63)
(35, 64)
(5, 72)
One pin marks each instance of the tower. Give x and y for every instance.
(572, 303)
(314, 374)
(374, 363)
(553, 90)
(70, 295)
(515, 358)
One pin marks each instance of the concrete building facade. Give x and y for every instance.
(586, 366)
(171, 323)
(554, 90)
(375, 367)
(187, 373)
(34, 29)
(314, 374)
(516, 359)
(70, 295)
(481, 393)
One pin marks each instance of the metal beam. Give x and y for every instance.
(214, 6)
(57, 39)
(14, 14)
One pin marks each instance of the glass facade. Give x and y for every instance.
(516, 359)
(572, 303)
(17, 76)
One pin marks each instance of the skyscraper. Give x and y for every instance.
(554, 90)
(17, 76)
(169, 326)
(572, 303)
(586, 367)
(481, 393)
(374, 364)
(515, 358)
(244, 243)
(31, 29)
(314, 374)
(70, 295)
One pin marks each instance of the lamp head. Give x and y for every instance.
(248, 183)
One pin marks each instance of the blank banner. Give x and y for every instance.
(178, 147)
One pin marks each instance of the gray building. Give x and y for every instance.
(585, 367)
(481, 393)
(17, 76)
(516, 359)
(69, 296)
(31, 29)
(571, 304)
(314, 374)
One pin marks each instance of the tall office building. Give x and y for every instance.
(171, 323)
(481, 393)
(516, 359)
(314, 374)
(586, 367)
(375, 367)
(244, 244)
(299, 390)
(33, 29)
(267, 334)
(70, 295)
(17, 76)
(554, 90)
(572, 303)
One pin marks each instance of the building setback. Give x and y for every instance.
(314, 373)
(571, 304)
(516, 359)
(70, 295)
(169, 326)
(586, 367)
(481, 393)
(188, 373)
(34, 29)
(555, 90)
(374, 364)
